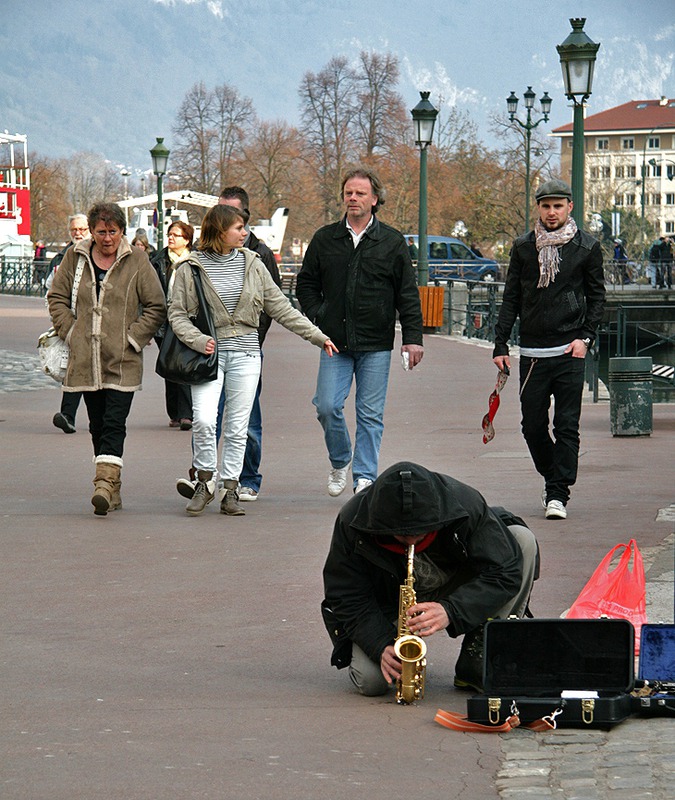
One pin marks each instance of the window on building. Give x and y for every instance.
(628, 143)
(630, 199)
(654, 142)
(670, 199)
(670, 227)
(619, 172)
(618, 200)
(570, 144)
(655, 170)
(605, 172)
(595, 172)
(602, 144)
(630, 171)
(656, 199)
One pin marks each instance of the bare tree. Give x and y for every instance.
(380, 113)
(327, 108)
(91, 179)
(49, 203)
(209, 131)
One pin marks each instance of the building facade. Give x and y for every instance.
(629, 160)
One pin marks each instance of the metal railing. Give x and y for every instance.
(23, 275)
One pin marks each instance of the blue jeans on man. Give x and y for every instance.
(555, 458)
(370, 371)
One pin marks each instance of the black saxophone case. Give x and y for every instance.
(578, 672)
(654, 695)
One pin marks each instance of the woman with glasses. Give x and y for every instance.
(178, 397)
(119, 307)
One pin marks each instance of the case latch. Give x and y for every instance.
(494, 704)
(587, 710)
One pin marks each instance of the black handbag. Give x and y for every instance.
(179, 363)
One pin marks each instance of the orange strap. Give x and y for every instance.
(459, 722)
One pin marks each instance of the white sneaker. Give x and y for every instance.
(555, 510)
(247, 495)
(361, 484)
(337, 480)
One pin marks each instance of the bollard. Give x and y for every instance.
(630, 396)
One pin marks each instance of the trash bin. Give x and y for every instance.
(630, 396)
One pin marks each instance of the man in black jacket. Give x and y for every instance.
(555, 284)
(471, 563)
(356, 276)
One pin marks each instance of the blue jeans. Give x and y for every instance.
(250, 472)
(370, 370)
(555, 457)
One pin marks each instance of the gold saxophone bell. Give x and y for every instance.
(410, 649)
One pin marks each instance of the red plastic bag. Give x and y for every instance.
(618, 593)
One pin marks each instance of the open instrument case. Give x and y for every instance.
(578, 671)
(655, 688)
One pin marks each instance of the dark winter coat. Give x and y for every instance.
(353, 294)
(362, 578)
(569, 308)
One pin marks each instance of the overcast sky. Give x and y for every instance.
(108, 78)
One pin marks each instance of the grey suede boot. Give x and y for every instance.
(228, 504)
(204, 493)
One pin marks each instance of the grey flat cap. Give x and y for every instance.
(554, 188)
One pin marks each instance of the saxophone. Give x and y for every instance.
(410, 649)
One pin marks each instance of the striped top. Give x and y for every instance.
(226, 273)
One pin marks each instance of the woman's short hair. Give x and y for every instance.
(217, 220)
(186, 229)
(140, 239)
(109, 213)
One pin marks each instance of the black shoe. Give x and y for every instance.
(469, 666)
(61, 421)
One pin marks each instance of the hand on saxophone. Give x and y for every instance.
(427, 618)
(390, 665)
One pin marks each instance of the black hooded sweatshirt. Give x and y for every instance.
(473, 547)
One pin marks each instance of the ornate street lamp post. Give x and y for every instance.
(160, 157)
(424, 118)
(577, 59)
(528, 126)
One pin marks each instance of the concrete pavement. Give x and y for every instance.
(151, 656)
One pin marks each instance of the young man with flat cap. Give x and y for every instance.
(555, 285)
(471, 563)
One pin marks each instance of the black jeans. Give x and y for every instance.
(108, 410)
(555, 457)
(69, 404)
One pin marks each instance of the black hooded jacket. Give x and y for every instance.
(362, 578)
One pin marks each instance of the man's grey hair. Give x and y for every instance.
(376, 184)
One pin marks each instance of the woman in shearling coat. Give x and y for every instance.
(119, 307)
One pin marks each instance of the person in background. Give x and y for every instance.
(666, 262)
(78, 229)
(140, 240)
(476, 250)
(177, 396)
(621, 261)
(556, 285)
(471, 563)
(236, 286)
(412, 249)
(356, 280)
(120, 307)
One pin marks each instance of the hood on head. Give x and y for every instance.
(406, 500)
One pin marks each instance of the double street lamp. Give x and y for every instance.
(424, 118)
(577, 59)
(528, 126)
(160, 157)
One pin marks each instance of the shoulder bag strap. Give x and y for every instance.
(204, 321)
(76, 283)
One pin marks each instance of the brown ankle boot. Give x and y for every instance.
(204, 493)
(104, 486)
(116, 499)
(228, 504)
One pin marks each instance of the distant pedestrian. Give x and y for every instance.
(120, 307)
(666, 263)
(555, 284)
(356, 279)
(621, 261)
(177, 396)
(476, 250)
(78, 229)
(654, 268)
(412, 249)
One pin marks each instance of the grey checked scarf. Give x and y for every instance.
(548, 244)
